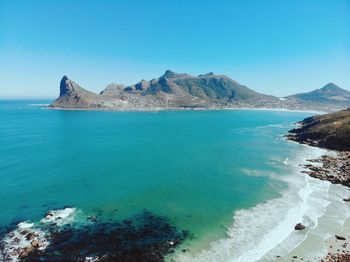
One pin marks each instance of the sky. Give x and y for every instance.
(272, 46)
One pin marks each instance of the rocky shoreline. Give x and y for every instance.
(332, 132)
(335, 169)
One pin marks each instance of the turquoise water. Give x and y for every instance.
(194, 167)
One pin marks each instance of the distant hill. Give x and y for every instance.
(171, 90)
(184, 91)
(329, 94)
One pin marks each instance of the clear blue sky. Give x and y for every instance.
(273, 46)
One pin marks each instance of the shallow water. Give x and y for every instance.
(196, 168)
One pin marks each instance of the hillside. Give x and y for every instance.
(330, 94)
(184, 91)
(331, 131)
(171, 90)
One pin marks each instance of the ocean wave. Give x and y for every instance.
(255, 172)
(267, 229)
(59, 217)
(39, 105)
(272, 125)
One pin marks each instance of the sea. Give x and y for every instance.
(228, 178)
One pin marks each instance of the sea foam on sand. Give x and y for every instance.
(266, 231)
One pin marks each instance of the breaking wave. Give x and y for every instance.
(267, 229)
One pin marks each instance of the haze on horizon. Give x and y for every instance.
(274, 47)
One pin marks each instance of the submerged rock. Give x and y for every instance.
(31, 235)
(145, 237)
(36, 244)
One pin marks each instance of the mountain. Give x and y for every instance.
(330, 131)
(330, 94)
(171, 90)
(74, 96)
(184, 91)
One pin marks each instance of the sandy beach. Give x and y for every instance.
(329, 239)
(320, 242)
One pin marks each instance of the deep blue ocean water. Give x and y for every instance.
(194, 167)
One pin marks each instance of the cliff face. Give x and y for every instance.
(73, 96)
(331, 131)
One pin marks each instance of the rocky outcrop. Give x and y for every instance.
(112, 89)
(331, 131)
(335, 169)
(299, 226)
(73, 96)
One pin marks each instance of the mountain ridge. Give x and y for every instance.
(184, 91)
(330, 93)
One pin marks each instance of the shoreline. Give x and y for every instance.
(334, 168)
(272, 235)
(160, 109)
(320, 207)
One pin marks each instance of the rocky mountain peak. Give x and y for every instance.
(331, 87)
(65, 86)
(169, 74)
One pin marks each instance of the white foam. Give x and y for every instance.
(91, 259)
(272, 125)
(259, 230)
(39, 104)
(25, 225)
(60, 216)
(18, 238)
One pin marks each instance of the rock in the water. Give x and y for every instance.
(25, 252)
(31, 236)
(35, 244)
(299, 226)
(49, 214)
(340, 237)
(92, 218)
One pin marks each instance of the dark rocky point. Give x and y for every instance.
(329, 131)
(340, 237)
(299, 226)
